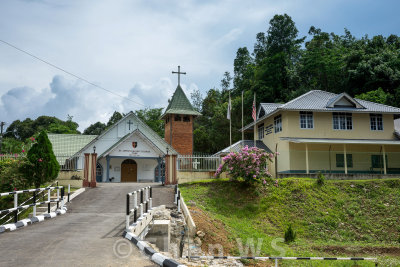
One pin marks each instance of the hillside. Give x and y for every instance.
(340, 218)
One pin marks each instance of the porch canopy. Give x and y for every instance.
(344, 142)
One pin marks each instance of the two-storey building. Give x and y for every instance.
(330, 133)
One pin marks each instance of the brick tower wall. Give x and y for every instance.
(181, 135)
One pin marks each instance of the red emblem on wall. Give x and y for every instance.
(134, 144)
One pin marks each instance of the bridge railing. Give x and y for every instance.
(35, 200)
(140, 206)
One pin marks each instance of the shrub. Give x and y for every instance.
(290, 234)
(320, 179)
(249, 164)
(44, 164)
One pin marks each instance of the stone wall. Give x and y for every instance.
(187, 177)
(64, 178)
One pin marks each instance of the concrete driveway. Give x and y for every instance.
(89, 234)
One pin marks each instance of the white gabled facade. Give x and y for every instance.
(129, 138)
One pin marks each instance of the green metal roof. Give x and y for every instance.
(180, 104)
(66, 145)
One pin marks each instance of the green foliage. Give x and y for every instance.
(95, 129)
(350, 217)
(116, 116)
(320, 179)
(377, 96)
(11, 146)
(44, 166)
(11, 174)
(290, 234)
(22, 130)
(152, 117)
(282, 66)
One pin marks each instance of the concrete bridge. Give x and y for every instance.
(90, 233)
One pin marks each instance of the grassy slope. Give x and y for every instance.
(341, 218)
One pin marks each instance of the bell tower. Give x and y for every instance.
(178, 118)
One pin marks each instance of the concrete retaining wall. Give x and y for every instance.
(188, 218)
(187, 177)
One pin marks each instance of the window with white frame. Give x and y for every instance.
(342, 121)
(306, 120)
(261, 131)
(278, 124)
(376, 122)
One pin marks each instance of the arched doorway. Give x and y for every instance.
(99, 173)
(129, 171)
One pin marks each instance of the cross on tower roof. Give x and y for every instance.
(179, 74)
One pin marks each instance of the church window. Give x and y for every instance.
(178, 118)
(186, 119)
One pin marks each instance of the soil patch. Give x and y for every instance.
(215, 232)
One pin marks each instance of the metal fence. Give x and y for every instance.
(67, 163)
(193, 163)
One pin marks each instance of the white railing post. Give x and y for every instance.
(48, 194)
(150, 203)
(141, 209)
(135, 199)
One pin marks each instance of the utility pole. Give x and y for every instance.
(1, 134)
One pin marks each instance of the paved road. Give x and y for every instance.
(89, 234)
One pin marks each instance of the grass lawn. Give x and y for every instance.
(340, 218)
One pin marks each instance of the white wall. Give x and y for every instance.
(145, 169)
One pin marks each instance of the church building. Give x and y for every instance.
(130, 151)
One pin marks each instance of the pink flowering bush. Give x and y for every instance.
(250, 164)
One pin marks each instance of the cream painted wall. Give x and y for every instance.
(292, 156)
(323, 127)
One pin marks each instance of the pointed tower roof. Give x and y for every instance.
(180, 104)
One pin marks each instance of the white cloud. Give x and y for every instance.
(129, 47)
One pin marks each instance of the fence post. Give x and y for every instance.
(48, 199)
(135, 214)
(58, 196)
(62, 197)
(141, 209)
(151, 203)
(34, 202)
(69, 191)
(127, 212)
(135, 199)
(178, 200)
(15, 206)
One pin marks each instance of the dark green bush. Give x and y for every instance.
(290, 234)
(320, 179)
(44, 167)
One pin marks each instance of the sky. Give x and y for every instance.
(131, 47)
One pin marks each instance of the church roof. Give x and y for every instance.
(66, 145)
(180, 104)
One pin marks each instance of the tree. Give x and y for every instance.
(152, 117)
(95, 129)
(116, 116)
(44, 166)
(21, 130)
(377, 96)
(197, 99)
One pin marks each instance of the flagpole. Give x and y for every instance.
(255, 124)
(242, 119)
(230, 123)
